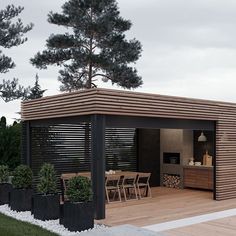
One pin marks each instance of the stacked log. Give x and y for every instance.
(171, 181)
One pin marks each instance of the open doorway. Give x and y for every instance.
(177, 158)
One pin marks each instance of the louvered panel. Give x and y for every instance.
(65, 147)
(121, 149)
(23, 142)
(62, 145)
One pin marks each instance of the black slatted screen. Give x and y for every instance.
(121, 149)
(62, 145)
(23, 142)
(67, 147)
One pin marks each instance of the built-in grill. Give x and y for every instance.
(171, 158)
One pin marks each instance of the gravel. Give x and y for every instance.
(50, 225)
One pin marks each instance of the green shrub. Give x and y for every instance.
(22, 177)
(4, 174)
(10, 144)
(47, 179)
(79, 189)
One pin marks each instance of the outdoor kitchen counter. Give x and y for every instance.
(199, 167)
(198, 177)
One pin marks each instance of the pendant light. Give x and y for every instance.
(202, 137)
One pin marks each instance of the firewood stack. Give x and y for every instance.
(171, 181)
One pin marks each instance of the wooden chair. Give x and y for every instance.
(64, 179)
(112, 187)
(129, 187)
(143, 184)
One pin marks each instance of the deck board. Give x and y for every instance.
(167, 204)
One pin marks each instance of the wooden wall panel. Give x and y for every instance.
(123, 103)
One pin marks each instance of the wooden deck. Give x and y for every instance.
(166, 204)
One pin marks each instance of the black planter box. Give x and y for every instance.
(77, 216)
(46, 207)
(20, 199)
(4, 193)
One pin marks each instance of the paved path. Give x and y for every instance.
(221, 227)
(123, 230)
(191, 220)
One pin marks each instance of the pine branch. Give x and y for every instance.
(11, 90)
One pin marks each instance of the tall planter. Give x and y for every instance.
(46, 207)
(21, 194)
(77, 216)
(21, 199)
(5, 189)
(46, 204)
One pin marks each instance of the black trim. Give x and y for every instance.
(158, 123)
(63, 120)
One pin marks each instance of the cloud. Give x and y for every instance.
(189, 47)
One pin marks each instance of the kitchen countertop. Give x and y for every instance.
(199, 167)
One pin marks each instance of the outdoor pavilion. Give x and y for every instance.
(104, 108)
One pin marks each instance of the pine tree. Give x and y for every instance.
(93, 48)
(35, 91)
(11, 34)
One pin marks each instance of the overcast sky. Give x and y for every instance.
(189, 47)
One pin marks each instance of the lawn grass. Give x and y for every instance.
(12, 227)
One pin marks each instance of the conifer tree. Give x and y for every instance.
(94, 46)
(35, 91)
(12, 33)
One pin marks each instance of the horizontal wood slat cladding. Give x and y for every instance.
(123, 103)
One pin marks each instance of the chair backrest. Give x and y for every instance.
(112, 180)
(129, 179)
(65, 177)
(85, 174)
(143, 178)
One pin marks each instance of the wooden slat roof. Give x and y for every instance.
(120, 102)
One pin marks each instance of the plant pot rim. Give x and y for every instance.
(78, 202)
(46, 195)
(21, 188)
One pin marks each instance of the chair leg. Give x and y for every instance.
(139, 192)
(108, 200)
(119, 194)
(149, 190)
(124, 193)
(135, 191)
(115, 192)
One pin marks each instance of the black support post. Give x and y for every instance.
(28, 143)
(98, 164)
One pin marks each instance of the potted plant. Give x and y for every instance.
(78, 211)
(21, 193)
(46, 204)
(5, 186)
